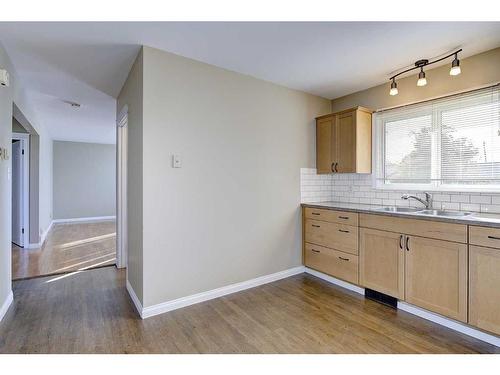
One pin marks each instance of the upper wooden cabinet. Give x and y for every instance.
(343, 142)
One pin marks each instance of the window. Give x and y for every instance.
(451, 143)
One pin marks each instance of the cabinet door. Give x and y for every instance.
(381, 258)
(484, 288)
(346, 142)
(325, 147)
(436, 276)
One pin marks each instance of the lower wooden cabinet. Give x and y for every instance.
(382, 261)
(436, 276)
(484, 288)
(332, 262)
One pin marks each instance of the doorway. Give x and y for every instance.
(20, 189)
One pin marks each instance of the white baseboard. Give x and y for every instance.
(135, 299)
(333, 280)
(43, 237)
(216, 293)
(450, 323)
(6, 304)
(84, 219)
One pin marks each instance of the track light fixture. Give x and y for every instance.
(455, 66)
(394, 88)
(422, 80)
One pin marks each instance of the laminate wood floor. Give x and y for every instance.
(69, 247)
(91, 312)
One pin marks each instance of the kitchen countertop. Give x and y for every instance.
(476, 218)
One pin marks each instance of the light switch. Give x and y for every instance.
(176, 161)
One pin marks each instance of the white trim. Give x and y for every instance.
(121, 188)
(84, 219)
(178, 303)
(43, 237)
(135, 299)
(449, 323)
(6, 304)
(25, 184)
(122, 117)
(333, 280)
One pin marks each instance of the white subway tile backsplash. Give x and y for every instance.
(470, 207)
(460, 198)
(483, 199)
(358, 188)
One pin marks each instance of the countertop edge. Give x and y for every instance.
(373, 210)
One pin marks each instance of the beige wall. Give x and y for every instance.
(6, 100)
(83, 180)
(477, 70)
(132, 96)
(231, 213)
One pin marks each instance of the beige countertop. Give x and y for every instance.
(476, 218)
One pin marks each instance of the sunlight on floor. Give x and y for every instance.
(77, 272)
(84, 241)
(87, 261)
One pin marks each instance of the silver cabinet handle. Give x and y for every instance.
(494, 238)
(407, 243)
(343, 231)
(343, 217)
(344, 259)
(316, 226)
(333, 167)
(336, 170)
(315, 251)
(401, 242)
(315, 213)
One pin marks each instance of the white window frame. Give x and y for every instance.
(378, 150)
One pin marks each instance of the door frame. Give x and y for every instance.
(121, 187)
(25, 184)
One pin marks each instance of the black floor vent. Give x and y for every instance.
(381, 297)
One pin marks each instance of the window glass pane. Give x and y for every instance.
(408, 144)
(470, 143)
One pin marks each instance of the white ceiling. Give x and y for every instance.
(88, 62)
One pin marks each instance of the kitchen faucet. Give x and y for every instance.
(427, 203)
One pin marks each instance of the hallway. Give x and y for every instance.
(69, 247)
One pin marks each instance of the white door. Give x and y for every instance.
(17, 193)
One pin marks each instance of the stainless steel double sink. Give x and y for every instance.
(425, 212)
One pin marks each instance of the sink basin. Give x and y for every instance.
(399, 209)
(444, 213)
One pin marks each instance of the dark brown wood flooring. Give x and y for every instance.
(90, 312)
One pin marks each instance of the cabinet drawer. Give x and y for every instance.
(340, 217)
(416, 227)
(332, 262)
(332, 235)
(483, 236)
